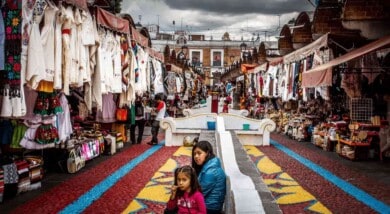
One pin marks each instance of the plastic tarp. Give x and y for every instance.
(112, 22)
(322, 74)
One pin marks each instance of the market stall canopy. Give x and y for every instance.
(248, 68)
(275, 61)
(153, 53)
(262, 67)
(307, 50)
(322, 74)
(111, 21)
(175, 69)
(139, 38)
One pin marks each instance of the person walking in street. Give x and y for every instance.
(186, 193)
(160, 110)
(211, 176)
(139, 110)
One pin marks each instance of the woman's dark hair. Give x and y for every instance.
(206, 147)
(190, 172)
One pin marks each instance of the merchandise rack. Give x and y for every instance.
(360, 109)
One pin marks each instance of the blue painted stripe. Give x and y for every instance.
(347, 187)
(97, 191)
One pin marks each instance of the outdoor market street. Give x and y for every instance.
(136, 180)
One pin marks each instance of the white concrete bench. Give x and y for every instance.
(178, 128)
(242, 196)
(258, 133)
(189, 112)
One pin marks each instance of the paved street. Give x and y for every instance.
(301, 177)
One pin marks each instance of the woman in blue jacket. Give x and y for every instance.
(211, 176)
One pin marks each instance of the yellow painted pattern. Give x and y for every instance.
(157, 190)
(288, 191)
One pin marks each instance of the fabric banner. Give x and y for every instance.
(139, 38)
(111, 21)
(322, 74)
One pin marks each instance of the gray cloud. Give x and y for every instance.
(241, 18)
(241, 6)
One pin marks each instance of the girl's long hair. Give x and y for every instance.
(194, 183)
(206, 147)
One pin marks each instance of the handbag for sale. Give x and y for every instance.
(75, 162)
(121, 114)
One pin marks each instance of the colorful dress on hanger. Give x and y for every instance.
(10, 78)
(47, 133)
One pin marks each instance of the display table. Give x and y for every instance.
(352, 149)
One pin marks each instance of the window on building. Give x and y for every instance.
(217, 58)
(196, 56)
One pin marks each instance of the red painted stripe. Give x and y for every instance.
(60, 196)
(332, 197)
(117, 198)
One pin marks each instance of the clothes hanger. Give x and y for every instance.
(51, 4)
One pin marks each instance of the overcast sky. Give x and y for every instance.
(240, 18)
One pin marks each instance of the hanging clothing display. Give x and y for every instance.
(107, 114)
(92, 51)
(57, 79)
(116, 82)
(11, 78)
(28, 141)
(158, 82)
(48, 40)
(47, 104)
(36, 67)
(170, 81)
(68, 20)
(64, 121)
(2, 40)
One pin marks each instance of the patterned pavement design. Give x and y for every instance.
(157, 190)
(138, 180)
(285, 189)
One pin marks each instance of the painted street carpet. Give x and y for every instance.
(137, 180)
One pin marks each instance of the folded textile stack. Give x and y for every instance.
(35, 171)
(119, 140)
(23, 173)
(110, 144)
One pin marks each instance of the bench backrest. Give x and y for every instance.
(235, 122)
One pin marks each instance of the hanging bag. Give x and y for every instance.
(75, 162)
(121, 114)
